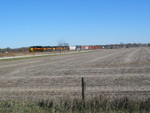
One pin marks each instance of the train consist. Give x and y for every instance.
(47, 48)
(62, 48)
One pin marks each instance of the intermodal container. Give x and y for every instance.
(97, 47)
(86, 47)
(72, 47)
(91, 47)
(78, 47)
(82, 47)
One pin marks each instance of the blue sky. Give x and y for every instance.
(86, 22)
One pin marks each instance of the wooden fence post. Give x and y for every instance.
(83, 91)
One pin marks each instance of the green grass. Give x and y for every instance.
(94, 105)
(58, 54)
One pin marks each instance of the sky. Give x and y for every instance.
(26, 23)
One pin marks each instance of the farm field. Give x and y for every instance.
(109, 72)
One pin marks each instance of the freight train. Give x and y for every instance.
(62, 48)
(47, 48)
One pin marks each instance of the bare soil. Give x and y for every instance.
(109, 72)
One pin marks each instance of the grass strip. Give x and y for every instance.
(45, 55)
(95, 105)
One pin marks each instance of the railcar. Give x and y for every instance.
(36, 49)
(48, 48)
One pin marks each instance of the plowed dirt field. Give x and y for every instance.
(111, 72)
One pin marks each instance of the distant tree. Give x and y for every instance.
(8, 49)
(121, 44)
(62, 43)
